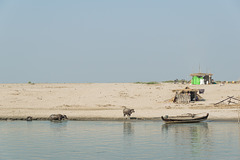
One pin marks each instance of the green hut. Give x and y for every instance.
(201, 78)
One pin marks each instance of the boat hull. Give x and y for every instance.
(185, 119)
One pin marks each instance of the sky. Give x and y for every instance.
(93, 41)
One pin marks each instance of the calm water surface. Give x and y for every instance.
(118, 140)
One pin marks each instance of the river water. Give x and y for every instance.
(119, 140)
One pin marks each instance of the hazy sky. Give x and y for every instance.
(118, 41)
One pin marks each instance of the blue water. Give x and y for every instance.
(119, 140)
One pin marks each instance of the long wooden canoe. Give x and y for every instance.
(188, 118)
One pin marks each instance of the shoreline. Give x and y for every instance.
(104, 101)
(149, 115)
(132, 119)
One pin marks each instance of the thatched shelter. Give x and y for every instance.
(186, 95)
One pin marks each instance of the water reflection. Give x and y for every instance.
(195, 135)
(185, 127)
(118, 140)
(58, 126)
(128, 134)
(128, 128)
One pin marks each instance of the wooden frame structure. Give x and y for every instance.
(186, 95)
(228, 100)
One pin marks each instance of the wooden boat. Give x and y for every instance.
(186, 118)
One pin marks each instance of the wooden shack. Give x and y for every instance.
(186, 95)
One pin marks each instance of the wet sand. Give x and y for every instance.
(104, 101)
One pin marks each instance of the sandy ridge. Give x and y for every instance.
(103, 101)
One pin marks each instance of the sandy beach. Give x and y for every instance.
(99, 101)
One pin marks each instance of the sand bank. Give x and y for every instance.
(104, 101)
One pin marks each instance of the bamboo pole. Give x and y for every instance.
(238, 114)
(224, 100)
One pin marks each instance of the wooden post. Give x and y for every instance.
(238, 114)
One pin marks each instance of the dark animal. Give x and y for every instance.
(127, 111)
(57, 117)
(29, 118)
(201, 91)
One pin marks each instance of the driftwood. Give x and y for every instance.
(229, 100)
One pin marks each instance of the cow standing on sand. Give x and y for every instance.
(57, 117)
(29, 118)
(127, 111)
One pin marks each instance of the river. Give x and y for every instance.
(119, 140)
